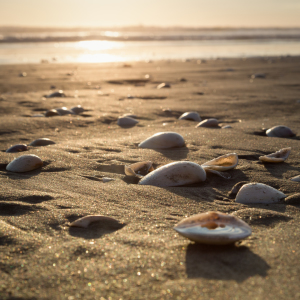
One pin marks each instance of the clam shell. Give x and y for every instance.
(192, 115)
(24, 163)
(41, 142)
(214, 228)
(276, 157)
(175, 174)
(257, 193)
(162, 140)
(139, 169)
(280, 131)
(126, 122)
(17, 148)
(84, 222)
(77, 109)
(222, 163)
(107, 179)
(51, 113)
(296, 178)
(64, 111)
(208, 123)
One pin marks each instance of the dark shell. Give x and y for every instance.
(51, 113)
(17, 148)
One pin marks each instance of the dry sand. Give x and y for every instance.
(142, 257)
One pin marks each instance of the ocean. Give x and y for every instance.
(33, 45)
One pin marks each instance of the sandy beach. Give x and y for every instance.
(141, 256)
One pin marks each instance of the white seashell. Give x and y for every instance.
(163, 140)
(41, 142)
(208, 123)
(192, 115)
(213, 228)
(296, 178)
(126, 122)
(175, 174)
(280, 131)
(257, 193)
(64, 111)
(222, 163)
(24, 163)
(107, 179)
(139, 169)
(276, 157)
(77, 109)
(84, 222)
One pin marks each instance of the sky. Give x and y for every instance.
(187, 13)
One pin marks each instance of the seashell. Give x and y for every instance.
(175, 174)
(127, 122)
(24, 163)
(163, 86)
(77, 109)
(64, 111)
(257, 193)
(84, 222)
(41, 142)
(162, 140)
(258, 75)
(276, 157)
(208, 123)
(17, 148)
(213, 228)
(51, 113)
(59, 93)
(192, 115)
(139, 169)
(107, 179)
(296, 178)
(222, 163)
(280, 131)
(226, 127)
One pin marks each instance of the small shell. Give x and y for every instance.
(107, 179)
(24, 163)
(222, 163)
(64, 111)
(192, 115)
(280, 131)
(77, 109)
(257, 193)
(175, 174)
(296, 178)
(84, 222)
(41, 142)
(51, 113)
(276, 157)
(139, 169)
(226, 127)
(17, 148)
(59, 93)
(208, 123)
(162, 140)
(213, 228)
(126, 122)
(163, 86)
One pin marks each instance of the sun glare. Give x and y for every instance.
(98, 45)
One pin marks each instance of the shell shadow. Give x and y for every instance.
(224, 262)
(278, 169)
(174, 153)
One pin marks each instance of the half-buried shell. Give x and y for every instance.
(214, 228)
(192, 115)
(84, 222)
(208, 123)
(24, 163)
(41, 142)
(126, 122)
(17, 148)
(280, 131)
(163, 140)
(139, 169)
(276, 157)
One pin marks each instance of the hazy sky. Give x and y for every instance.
(252, 13)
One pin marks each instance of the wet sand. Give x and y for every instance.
(142, 257)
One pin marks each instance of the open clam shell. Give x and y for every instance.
(175, 174)
(17, 148)
(280, 131)
(25, 163)
(276, 157)
(162, 140)
(208, 123)
(192, 115)
(214, 228)
(222, 163)
(84, 222)
(126, 122)
(139, 169)
(256, 193)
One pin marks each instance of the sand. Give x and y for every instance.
(141, 256)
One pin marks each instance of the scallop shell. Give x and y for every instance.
(276, 157)
(84, 222)
(296, 178)
(139, 169)
(77, 109)
(222, 163)
(192, 115)
(213, 228)
(175, 174)
(257, 193)
(162, 140)
(17, 148)
(280, 131)
(41, 142)
(208, 123)
(25, 163)
(126, 122)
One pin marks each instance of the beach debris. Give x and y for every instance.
(107, 179)
(258, 75)
(276, 157)
(84, 222)
(51, 113)
(226, 127)
(208, 123)
(213, 228)
(175, 174)
(191, 115)
(41, 142)
(23, 74)
(139, 169)
(56, 94)
(77, 109)
(163, 140)
(17, 148)
(64, 111)
(164, 86)
(24, 163)
(126, 122)
(280, 131)
(256, 193)
(296, 178)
